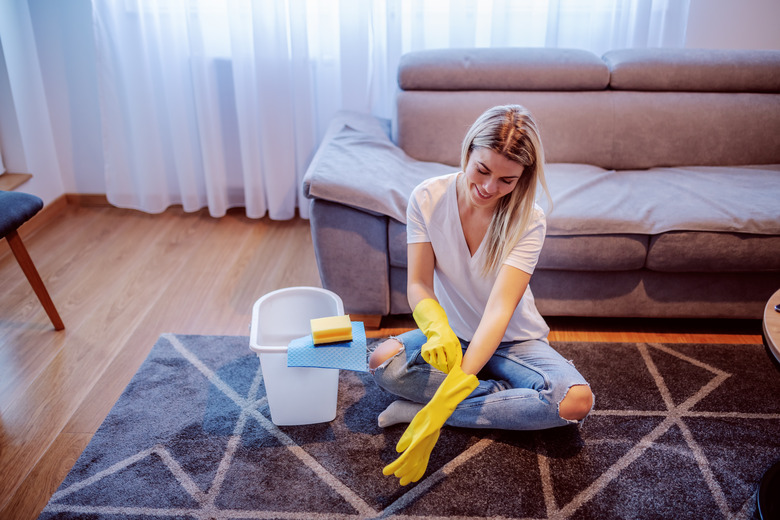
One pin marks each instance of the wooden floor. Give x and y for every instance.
(121, 278)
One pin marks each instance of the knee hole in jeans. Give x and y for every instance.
(576, 404)
(383, 352)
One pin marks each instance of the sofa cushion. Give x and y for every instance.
(367, 171)
(590, 200)
(687, 251)
(594, 252)
(694, 70)
(502, 69)
(571, 253)
(652, 294)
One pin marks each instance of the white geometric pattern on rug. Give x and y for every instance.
(251, 406)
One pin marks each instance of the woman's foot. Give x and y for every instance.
(398, 412)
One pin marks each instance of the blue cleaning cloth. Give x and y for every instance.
(349, 355)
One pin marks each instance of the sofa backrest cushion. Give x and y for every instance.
(694, 70)
(694, 128)
(502, 69)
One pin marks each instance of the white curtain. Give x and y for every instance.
(221, 103)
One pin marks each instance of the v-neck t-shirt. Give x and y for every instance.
(461, 288)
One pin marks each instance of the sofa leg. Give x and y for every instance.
(370, 321)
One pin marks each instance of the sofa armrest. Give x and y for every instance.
(352, 255)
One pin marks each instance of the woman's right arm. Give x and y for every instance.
(420, 262)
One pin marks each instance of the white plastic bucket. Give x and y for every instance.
(295, 395)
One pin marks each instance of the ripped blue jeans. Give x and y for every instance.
(520, 388)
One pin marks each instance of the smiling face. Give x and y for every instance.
(488, 177)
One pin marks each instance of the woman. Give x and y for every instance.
(474, 238)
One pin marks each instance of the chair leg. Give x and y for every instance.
(26, 263)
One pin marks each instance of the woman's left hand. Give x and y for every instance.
(419, 439)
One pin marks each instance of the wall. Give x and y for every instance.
(733, 24)
(63, 35)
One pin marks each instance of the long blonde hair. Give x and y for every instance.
(511, 131)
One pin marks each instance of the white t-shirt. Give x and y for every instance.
(462, 290)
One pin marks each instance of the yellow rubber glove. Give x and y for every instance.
(421, 435)
(442, 350)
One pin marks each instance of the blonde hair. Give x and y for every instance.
(511, 131)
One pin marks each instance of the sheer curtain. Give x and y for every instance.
(220, 104)
(28, 103)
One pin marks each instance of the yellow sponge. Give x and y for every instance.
(331, 330)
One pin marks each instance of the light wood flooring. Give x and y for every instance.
(120, 278)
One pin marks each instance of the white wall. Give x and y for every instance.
(734, 24)
(63, 35)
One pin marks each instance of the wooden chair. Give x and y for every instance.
(16, 209)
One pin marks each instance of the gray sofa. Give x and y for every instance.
(663, 165)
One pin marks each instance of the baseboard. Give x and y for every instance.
(49, 212)
(53, 209)
(87, 199)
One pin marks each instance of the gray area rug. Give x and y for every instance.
(678, 431)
